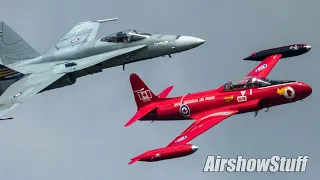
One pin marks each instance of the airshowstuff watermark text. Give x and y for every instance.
(241, 164)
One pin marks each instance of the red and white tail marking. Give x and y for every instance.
(145, 99)
(142, 94)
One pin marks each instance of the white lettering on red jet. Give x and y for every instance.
(208, 98)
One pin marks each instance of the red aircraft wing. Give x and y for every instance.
(265, 67)
(203, 122)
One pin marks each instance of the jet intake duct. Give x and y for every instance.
(65, 80)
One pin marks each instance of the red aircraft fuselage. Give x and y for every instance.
(244, 100)
(208, 108)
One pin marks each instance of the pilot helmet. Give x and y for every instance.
(254, 80)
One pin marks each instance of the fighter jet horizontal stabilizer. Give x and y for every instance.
(107, 20)
(100, 20)
(8, 118)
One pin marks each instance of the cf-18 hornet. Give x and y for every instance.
(24, 72)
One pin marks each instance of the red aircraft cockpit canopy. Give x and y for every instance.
(251, 82)
(247, 82)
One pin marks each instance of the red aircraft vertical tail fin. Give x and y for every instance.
(145, 99)
(142, 94)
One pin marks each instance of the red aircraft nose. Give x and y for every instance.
(306, 90)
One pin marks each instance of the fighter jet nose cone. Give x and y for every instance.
(201, 41)
(194, 148)
(308, 47)
(193, 40)
(188, 42)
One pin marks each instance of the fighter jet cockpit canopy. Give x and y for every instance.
(125, 36)
(251, 82)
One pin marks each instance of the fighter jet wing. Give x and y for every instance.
(4, 109)
(25, 88)
(82, 32)
(31, 84)
(266, 66)
(203, 122)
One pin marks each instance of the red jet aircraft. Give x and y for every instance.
(208, 108)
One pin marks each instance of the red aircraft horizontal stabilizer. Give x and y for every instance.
(133, 160)
(165, 92)
(145, 99)
(140, 113)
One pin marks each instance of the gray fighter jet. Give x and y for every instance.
(24, 72)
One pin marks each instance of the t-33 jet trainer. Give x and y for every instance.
(24, 72)
(208, 108)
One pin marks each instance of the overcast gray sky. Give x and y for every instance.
(77, 132)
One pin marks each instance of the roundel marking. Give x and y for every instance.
(262, 67)
(184, 110)
(127, 56)
(289, 92)
(17, 94)
(75, 40)
(181, 139)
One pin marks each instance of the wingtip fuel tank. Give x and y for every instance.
(165, 153)
(286, 51)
